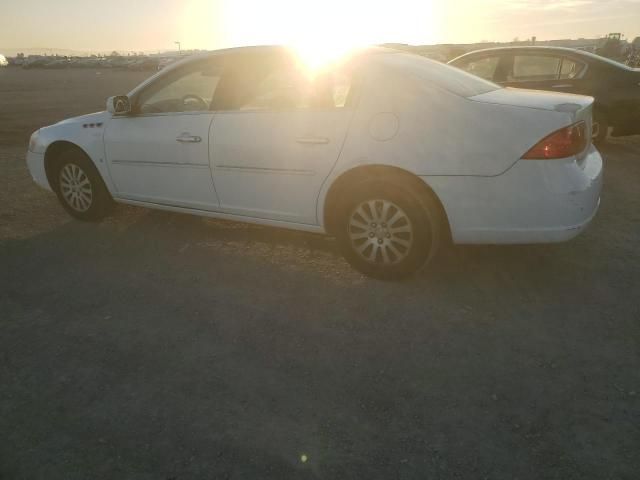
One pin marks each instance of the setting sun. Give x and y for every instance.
(321, 32)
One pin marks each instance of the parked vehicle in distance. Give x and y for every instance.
(35, 62)
(58, 64)
(3, 61)
(166, 61)
(144, 63)
(390, 152)
(615, 87)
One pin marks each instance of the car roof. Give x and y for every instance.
(268, 49)
(587, 56)
(264, 49)
(369, 50)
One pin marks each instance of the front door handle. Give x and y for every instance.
(186, 138)
(312, 140)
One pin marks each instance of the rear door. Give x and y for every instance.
(276, 135)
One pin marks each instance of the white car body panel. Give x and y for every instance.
(535, 201)
(35, 164)
(229, 216)
(276, 168)
(148, 164)
(77, 131)
(278, 172)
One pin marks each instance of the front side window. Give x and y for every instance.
(484, 67)
(189, 89)
(535, 68)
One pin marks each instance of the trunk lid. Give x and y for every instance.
(577, 107)
(538, 99)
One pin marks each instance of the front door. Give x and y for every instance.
(276, 143)
(160, 152)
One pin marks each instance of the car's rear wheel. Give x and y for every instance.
(386, 231)
(79, 187)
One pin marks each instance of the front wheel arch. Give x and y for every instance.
(55, 157)
(53, 154)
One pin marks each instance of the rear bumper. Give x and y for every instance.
(35, 163)
(535, 201)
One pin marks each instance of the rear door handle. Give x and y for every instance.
(312, 140)
(186, 138)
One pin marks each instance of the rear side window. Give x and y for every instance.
(535, 68)
(288, 88)
(256, 82)
(484, 67)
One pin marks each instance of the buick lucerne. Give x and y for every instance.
(391, 153)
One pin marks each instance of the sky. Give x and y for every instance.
(153, 25)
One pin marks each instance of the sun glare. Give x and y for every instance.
(313, 56)
(321, 32)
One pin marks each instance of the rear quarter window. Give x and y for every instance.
(444, 76)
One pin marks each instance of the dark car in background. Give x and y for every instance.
(615, 87)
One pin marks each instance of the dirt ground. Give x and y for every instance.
(165, 346)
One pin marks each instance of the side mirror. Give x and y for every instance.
(118, 105)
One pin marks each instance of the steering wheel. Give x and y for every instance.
(201, 101)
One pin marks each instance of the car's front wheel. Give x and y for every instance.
(79, 187)
(387, 231)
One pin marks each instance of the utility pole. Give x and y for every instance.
(179, 49)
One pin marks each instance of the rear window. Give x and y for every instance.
(449, 78)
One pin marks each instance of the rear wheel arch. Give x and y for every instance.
(342, 185)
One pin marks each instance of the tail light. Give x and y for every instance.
(564, 143)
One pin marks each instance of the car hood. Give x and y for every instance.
(541, 100)
(96, 117)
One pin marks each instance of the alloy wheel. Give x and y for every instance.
(380, 232)
(75, 187)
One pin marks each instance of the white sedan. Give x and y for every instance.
(391, 153)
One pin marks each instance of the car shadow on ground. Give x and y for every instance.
(306, 251)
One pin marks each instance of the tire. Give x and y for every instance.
(79, 187)
(603, 128)
(388, 230)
